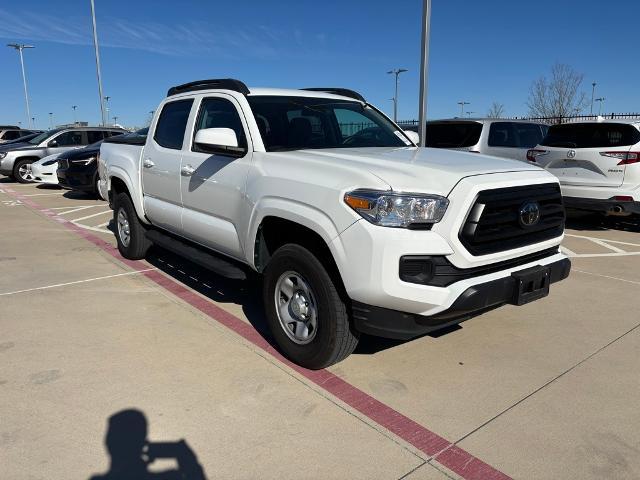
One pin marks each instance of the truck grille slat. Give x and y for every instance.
(499, 227)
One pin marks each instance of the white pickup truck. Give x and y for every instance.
(352, 227)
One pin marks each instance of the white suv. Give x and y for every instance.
(598, 164)
(351, 226)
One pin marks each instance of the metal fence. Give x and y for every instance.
(555, 120)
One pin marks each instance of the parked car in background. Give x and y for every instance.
(598, 164)
(16, 162)
(9, 133)
(12, 144)
(490, 136)
(351, 226)
(44, 170)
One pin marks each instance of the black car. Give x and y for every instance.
(78, 169)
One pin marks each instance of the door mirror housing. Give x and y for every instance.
(218, 140)
(413, 136)
(52, 143)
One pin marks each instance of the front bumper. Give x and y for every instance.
(77, 179)
(6, 166)
(384, 322)
(601, 205)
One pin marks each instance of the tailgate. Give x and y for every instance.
(586, 166)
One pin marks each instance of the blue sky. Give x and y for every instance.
(481, 51)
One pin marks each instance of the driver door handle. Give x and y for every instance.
(187, 170)
(148, 163)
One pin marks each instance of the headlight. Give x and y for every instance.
(2, 155)
(395, 209)
(84, 161)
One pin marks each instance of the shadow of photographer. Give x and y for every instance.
(132, 454)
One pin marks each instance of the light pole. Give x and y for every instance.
(95, 45)
(20, 48)
(424, 71)
(601, 100)
(462, 104)
(51, 120)
(74, 114)
(593, 91)
(115, 121)
(33, 121)
(106, 106)
(397, 73)
(469, 114)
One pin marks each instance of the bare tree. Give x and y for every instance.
(496, 110)
(558, 96)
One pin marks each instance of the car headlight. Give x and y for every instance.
(396, 209)
(84, 161)
(2, 155)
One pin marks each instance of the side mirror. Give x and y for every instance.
(52, 143)
(413, 136)
(219, 140)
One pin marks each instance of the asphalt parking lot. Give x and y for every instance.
(548, 390)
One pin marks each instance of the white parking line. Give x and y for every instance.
(93, 229)
(90, 216)
(43, 194)
(605, 243)
(606, 276)
(568, 252)
(76, 209)
(76, 282)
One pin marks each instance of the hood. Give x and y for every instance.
(79, 153)
(6, 147)
(411, 169)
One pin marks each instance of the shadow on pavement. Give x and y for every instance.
(576, 221)
(132, 453)
(248, 294)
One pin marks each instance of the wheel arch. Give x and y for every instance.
(120, 181)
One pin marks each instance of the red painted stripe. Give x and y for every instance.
(433, 445)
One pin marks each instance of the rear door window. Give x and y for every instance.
(95, 136)
(453, 134)
(11, 135)
(515, 134)
(591, 135)
(172, 124)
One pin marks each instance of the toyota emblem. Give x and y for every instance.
(571, 154)
(529, 214)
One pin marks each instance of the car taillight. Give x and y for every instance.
(623, 198)
(625, 158)
(533, 153)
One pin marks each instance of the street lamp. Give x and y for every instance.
(115, 121)
(601, 100)
(106, 106)
(462, 104)
(397, 73)
(74, 114)
(593, 91)
(469, 114)
(51, 120)
(20, 47)
(99, 75)
(33, 121)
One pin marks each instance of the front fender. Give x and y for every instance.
(303, 214)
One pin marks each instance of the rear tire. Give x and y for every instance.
(130, 233)
(22, 171)
(307, 316)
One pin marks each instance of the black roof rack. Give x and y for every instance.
(8, 126)
(345, 92)
(221, 83)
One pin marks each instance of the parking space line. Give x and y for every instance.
(73, 210)
(93, 229)
(606, 276)
(90, 216)
(43, 194)
(435, 447)
(568, 252)
(604, 244)
(76, 282)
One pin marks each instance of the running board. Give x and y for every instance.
(210, 261)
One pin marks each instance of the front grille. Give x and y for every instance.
(493, 224)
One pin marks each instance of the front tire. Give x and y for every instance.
(306, 314)
(22, 171)
(130, 233)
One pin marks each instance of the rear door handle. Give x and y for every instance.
(148, 163)
(187, 170)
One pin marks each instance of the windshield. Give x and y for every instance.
(591, 135)
(452, 134)
(43, 136)
(297, 123)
